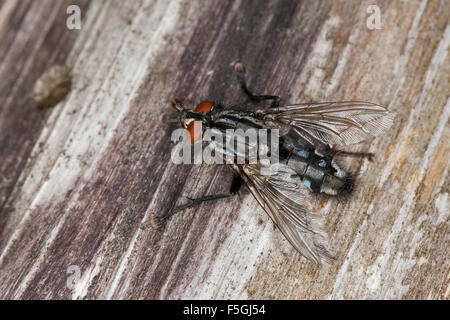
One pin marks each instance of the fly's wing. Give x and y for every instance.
(343, 123)
(283, 197)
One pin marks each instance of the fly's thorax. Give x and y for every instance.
(319, 173)
(241, 138)
(231, 119)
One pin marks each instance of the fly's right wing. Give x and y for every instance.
(327, 123)
(283, 197)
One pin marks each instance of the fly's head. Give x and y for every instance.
(195, 121)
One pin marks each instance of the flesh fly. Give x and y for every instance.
(310, 136)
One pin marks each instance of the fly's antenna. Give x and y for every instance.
(177, 104)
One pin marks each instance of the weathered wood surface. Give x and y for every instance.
(79, 182)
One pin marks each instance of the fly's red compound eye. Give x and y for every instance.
(204, 107)
(195, 129)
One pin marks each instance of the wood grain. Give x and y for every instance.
(79, 182)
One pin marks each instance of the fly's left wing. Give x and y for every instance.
(283, 197)
(327, 123)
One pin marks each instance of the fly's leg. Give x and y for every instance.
(239, 68)
(157, 221)
(177, 104)
(367, 155)
(236, 183)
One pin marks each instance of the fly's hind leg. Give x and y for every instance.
(239, 68)
(157, 221)
(368, 155)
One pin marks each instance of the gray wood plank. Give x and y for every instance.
(80, 182)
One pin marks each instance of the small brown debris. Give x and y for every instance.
(52, 87)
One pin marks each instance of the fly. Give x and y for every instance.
(310, 137)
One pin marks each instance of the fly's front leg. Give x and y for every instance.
(157, 221)
(239, 68)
